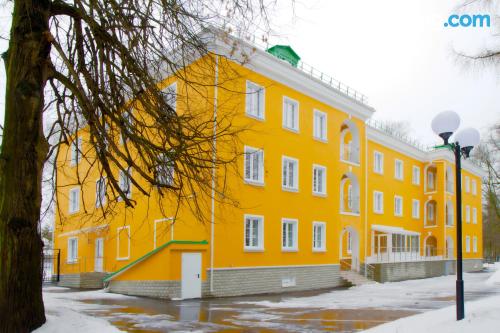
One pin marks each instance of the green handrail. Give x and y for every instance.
(149, 254)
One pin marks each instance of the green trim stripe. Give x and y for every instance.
(149, 254)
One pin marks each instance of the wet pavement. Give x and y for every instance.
(245, 314)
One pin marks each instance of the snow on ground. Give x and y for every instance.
(495, 278)
(480, 316)
(404, 295)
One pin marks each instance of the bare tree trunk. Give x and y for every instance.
(24, 149)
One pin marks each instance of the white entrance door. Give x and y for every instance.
(191, 275)
(99, 255)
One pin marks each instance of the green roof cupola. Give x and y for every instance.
(285, 52)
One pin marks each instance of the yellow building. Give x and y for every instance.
(321, 191)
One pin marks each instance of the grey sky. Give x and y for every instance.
(396, 52)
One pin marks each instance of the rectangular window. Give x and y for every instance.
(467, 184)
(398, 205)
(430, 181)
(123, 243)
(74, 200)
(76, 151)
(125, 183)
(474, 244)
(254, 165)
(319, 236)
(474, 215)
(127, 124)
(100, 192)
(467, 214)
(467, 244)
(290, 114)
(320, 125)
(378, 202)
(254, 232)
(163, 231)
(72, 250)
(398, 169)
(290, 174)
(254, 100)
(474, 187)
(170, 96)
(319, 179)
(378, 162)
(289, 234)
(415, 175)
(165, 171)
(415, 208)
(430, 212)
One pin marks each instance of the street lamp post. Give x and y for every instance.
(444, 124)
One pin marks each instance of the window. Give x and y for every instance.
(72, 250)
(128, 124)
(319, 179)
(378, 162)
(415, 179)
(255, 100)
(474, 187)
(320, 122)
(474, 215)
(467, 244)
(163, 231)
(378, 202)
(254, 232)
(289, 235)
(290, 179)
(474, 244)
(165, 171)
(290, 114)
(319, 236)
(76, 151)
(254, 165)
(123, 243)
(74, 200)
(430, 211)
(125, 183)
(398, 205)
(467, 184)
(449, 213)
(170, 96)
(398, 169)
(467, 214)
(430, 180)
(100, 192)
(349, 197)
(349, 242)
(415, 208)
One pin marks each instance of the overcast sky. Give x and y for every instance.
(396, 52)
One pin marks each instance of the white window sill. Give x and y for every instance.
(400, 179)
(71, 262)
(293, 130)
(253, 182)
(378, 172)
(249, 115)
(350, 162)
(319, 250)
(73, 213)
(123, 259)
(289, 189)
(320, 139)
(398, 215)
(416, 217)
(450, 225)
(430, 226)
(350, 213)
(289, 250)
(379, 213)
(250, 249)
(318, 194)
(430, 192)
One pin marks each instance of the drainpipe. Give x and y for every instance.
(366, 197)
(214, 156)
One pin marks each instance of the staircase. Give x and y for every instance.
(355, 278)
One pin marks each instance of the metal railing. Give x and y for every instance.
(387, 129)
(405, 255)
(369, 271)
(82, 265)
(349, 153)
(51, 260)
(351, 205)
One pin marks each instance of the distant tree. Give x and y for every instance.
(84, 61)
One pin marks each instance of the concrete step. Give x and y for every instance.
(355, 278)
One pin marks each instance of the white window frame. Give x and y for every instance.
(431, 180)
(474, 244)
(100, 198)
(260, 233)
(430, 217)
(72, 257)
(415, 209)
(474, 215)
(171, 93)
(128, 120)
(375, 209)
(295, 224)
(474, 187)
(396, 162)
(284, 185)
(74, 209)
(398, 198)
(76, 151)
(124, 177)
(296, 119)
(165, 171)
(320, 130)
(259, 91)
(155, 232)
(322, 226)
(467, 184)
(376, 166)
(415, 175)
(118, 243)
(467, 214)
(467, 244)
(319, 168)
(249, 159)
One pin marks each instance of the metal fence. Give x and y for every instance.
(51, 265)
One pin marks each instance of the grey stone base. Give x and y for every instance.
(390, 272)
(92, 280)
(237, 282)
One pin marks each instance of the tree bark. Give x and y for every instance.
(24, 149)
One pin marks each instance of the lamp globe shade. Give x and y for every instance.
(468, 137)
(445, 122)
